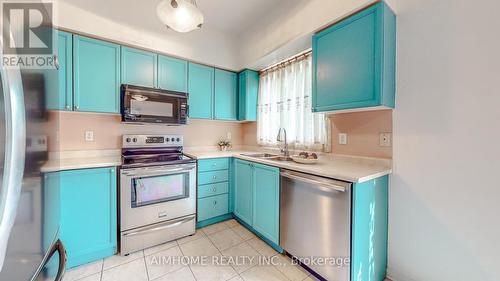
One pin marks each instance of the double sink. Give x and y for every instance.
(268, 156)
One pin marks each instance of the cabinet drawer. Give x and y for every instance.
(212, 189)
(213, 164)
(214, 206)
(212, 177)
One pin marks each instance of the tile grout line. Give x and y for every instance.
(102, 270)
(146, 265)
(189, 265)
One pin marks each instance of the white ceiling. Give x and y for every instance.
(228, 16)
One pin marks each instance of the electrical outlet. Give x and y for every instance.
(89, 135)
(228, 136)
(342, 138)
(385, 139)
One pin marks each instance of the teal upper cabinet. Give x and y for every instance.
(88, 213)
(248, 94)
(266, 201)
(172, 74)
(60, 95)
(139, 67)
(354, 62)
(226, 95)
(243, 190)
(201, 91)
(96, 70)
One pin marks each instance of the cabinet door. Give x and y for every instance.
(349, 68)
(243, 190)
(60, 94)
(172, 74)
(266, 201)
(139, 67)
(96, 75)
(226, 95)
(248, 95)
(201, 91)
(88, 214)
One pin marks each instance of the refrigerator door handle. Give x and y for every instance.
(15, 144)
(59, 248)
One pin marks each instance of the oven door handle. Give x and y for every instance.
(173, 223)
(146, 171)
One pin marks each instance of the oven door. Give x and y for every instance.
(154, 194)
(144, 105)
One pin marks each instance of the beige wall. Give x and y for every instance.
(363, 131)
(108, 131)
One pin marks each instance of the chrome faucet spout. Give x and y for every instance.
(281, 138)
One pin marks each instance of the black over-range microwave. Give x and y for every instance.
(150, 105)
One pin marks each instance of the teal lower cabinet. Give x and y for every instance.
(243, 190)
(369, 230)
(88, 221)
(257, 194)
(213, 191)
(266, 201)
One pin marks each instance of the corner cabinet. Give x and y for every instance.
(248, 95)
(96, 70)
(87, 204)
(257, 198)
(139, 67)
(354, 62)
(201, 91)
(226, 95)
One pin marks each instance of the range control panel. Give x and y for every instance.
(152, 140)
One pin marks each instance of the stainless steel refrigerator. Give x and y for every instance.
(29, 213)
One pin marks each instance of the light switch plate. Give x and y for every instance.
(89, 135)
(385, 139)
(228, 136)
(342, 138)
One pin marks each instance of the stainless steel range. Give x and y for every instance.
(157, 191)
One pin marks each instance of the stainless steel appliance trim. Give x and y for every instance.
(14, 152)
(58, 247)
(164, 170)
(168, 224)
(323, 182)
(316, 221)
(133, 218)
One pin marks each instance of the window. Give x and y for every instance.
(285, 102)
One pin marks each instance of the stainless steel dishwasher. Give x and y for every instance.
(315, 223)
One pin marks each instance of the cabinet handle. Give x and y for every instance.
(56, 62)
(77, 107)
(214, 189)
(68, 107)
(214, 177)
(215, 204)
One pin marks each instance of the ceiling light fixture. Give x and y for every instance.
(180, 15)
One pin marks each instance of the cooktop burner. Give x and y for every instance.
(152, 150)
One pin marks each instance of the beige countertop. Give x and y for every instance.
(73, 160)
(342, 167)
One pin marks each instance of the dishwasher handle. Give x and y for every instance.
(332, 185)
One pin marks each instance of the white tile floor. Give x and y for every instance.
(226, 239)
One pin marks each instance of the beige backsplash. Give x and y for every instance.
(108, 131)
(363, 130)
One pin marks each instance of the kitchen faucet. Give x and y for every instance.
(283, 139)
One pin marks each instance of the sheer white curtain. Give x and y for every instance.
(285, 102)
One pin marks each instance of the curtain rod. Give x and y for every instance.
(284, 63)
